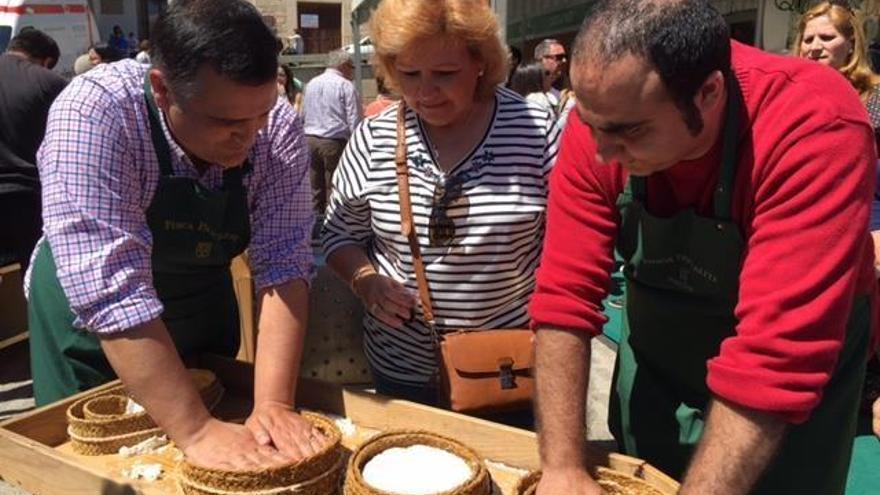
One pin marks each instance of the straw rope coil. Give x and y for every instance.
(613, 482)
(480, 482)
(98, 424)
(315, 475)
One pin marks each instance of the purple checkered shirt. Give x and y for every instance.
(99, 174)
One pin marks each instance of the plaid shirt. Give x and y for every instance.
(99, 173)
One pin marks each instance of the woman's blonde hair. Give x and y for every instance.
(396, 24)
(850, 24)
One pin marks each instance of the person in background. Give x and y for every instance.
(118, 41)
(295, 43)
(874, 56)
(736, 186)
(154, 179)
(101, 53)
(833, 35)
(332, 110)
(551, 54)
(143, 56)
(289, 87)
(532, 82)
(515, 61)
(82, 64)
(27, 89)
(478, 158)
(383, 100)
(133, 45)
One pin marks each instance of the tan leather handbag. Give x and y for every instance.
(480, 371)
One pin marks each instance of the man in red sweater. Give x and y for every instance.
(736, 185)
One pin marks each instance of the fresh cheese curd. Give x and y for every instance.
(132, 407)
(416, 470)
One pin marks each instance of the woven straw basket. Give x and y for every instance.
(479, 484)
(98, 425)
(316, 475)
(613, 482)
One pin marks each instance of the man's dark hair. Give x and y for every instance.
(683, 40)
(229, 36)
(108, 53)
(35, 44)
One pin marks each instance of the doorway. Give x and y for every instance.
(320, 25)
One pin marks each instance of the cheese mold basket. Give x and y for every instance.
(316, 475)
(101, 424)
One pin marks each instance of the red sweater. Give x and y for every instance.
(802, 200)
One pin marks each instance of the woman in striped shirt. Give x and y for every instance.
(478, 158)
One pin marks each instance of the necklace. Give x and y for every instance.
(457, 128)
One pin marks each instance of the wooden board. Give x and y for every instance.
(247, 311)
(35, 444)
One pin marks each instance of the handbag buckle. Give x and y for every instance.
(505, 368)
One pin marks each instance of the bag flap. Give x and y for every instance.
(481, 351)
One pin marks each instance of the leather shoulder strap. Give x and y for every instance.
(407, 227)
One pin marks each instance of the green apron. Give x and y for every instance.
(196, 234)
(682, 281)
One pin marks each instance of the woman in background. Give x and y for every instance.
(383, 100)
(532, 82)
(290, 87)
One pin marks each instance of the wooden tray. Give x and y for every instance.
(35, 453)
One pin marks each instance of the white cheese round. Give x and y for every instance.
(416, 470)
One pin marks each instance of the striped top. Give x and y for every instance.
(485, 277)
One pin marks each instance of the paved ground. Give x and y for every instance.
(16, 395)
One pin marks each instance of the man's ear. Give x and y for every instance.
(711, 93)
(161, 91)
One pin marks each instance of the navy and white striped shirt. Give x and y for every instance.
(486, 276)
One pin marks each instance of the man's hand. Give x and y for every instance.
(877, 417)
(277, 425)
(229, 446)
(573, 482)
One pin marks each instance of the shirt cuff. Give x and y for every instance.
(768, 393)
(300, 270)
(549, 311)
(120, 316)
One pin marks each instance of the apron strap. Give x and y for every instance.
(160, 144)
(723, 198)
(232, 176)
